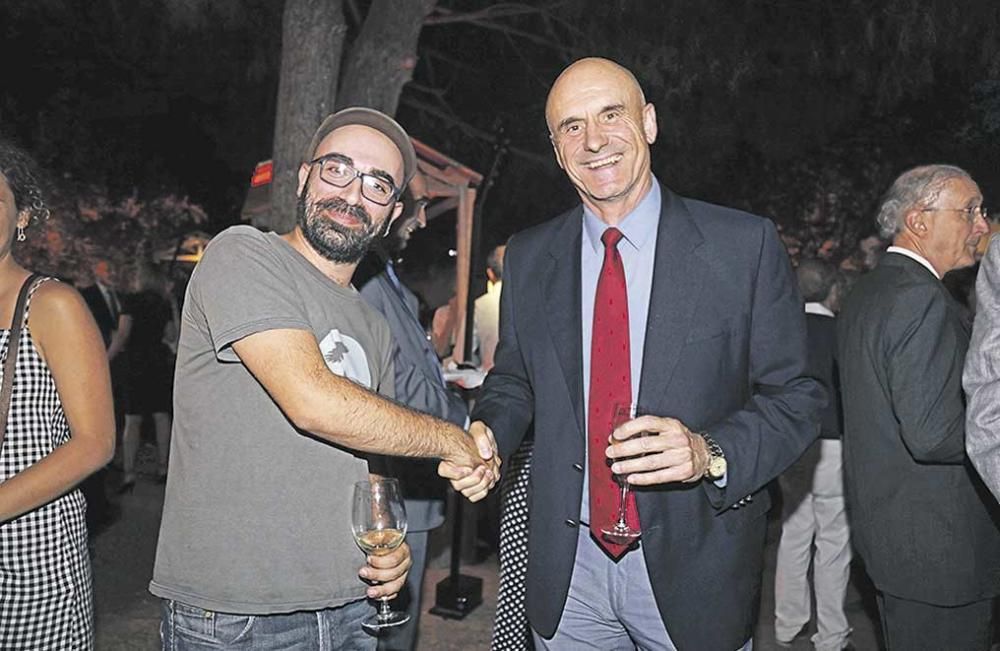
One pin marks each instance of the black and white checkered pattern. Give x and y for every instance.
(45, 584)
(510, 629)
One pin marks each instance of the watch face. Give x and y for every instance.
(717, 467)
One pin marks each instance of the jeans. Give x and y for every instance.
(189, 628)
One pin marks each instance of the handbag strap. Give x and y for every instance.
(10, 363)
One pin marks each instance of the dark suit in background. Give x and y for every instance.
(419, 385)
(106, 310)
(920, 517)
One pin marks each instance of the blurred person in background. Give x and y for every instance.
(981, 376)
(487, 309)
(150, 370)
(813, 488)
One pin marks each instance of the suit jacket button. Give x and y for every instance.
(578, 467)
(570, 523)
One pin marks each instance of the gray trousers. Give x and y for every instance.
(610, 606)
(404, 636)
(814, 515)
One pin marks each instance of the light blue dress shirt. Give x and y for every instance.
(638, 251)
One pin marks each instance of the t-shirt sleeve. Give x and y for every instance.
(243, 287)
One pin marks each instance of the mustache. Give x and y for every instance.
(339, 205)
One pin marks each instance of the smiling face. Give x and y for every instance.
(340, 223)
(601, 129)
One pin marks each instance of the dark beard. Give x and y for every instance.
(331, 240)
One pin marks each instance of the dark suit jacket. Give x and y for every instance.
(724, 352)
(419, 386)
(107, 322)
(920, 517)
(821, 335)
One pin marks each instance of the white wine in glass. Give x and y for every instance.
(378, 522)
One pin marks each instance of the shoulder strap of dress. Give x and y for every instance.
(33, 283)
(13, 342)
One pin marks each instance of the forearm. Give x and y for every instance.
(52, 476)
(354, 417)
(289, 365)
(120, 336)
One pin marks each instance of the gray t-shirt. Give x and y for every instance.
(257, 516)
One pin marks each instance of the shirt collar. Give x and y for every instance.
(913, 256)
(637, 227)
(818, 308)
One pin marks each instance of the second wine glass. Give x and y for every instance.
(378, 522)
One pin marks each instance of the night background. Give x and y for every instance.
(150, 116)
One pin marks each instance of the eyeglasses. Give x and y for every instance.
(970, 213)
(337, 172)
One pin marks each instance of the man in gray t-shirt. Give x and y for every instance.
(281, 369)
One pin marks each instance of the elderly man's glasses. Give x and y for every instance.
(333, 169)
(971, 213)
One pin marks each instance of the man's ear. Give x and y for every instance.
(649, 123)
(555, 148)
(304, 169)
(915, 222)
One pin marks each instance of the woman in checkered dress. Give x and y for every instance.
(60, 428)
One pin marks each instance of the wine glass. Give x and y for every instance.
(620, 532)
(378, 522)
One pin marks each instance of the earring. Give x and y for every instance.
(20, 234)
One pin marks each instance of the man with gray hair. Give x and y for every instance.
(929, 540)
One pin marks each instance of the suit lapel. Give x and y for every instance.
(678, 273)
(562, 306)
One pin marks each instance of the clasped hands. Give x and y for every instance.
(670, 453)
(475, 469)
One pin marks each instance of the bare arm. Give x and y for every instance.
(67, 338)
(120, 336)
(289, 365)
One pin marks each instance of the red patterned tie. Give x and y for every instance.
(610, 383)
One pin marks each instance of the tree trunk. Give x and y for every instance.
(312, 44)
(384, 55)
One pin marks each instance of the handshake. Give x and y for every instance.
(475, 468)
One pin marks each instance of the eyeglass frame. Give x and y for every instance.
(970, 213)
(358, 174)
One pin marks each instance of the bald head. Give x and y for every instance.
(592, 72)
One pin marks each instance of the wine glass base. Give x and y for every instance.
(376, 623)
(620, 536)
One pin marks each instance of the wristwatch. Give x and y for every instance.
(716, 459)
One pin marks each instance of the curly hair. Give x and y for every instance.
(21, 174)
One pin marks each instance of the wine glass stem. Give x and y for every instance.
(384, 609)
(622, 501)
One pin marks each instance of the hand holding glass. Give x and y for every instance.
(378, 521)
(620, 532)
